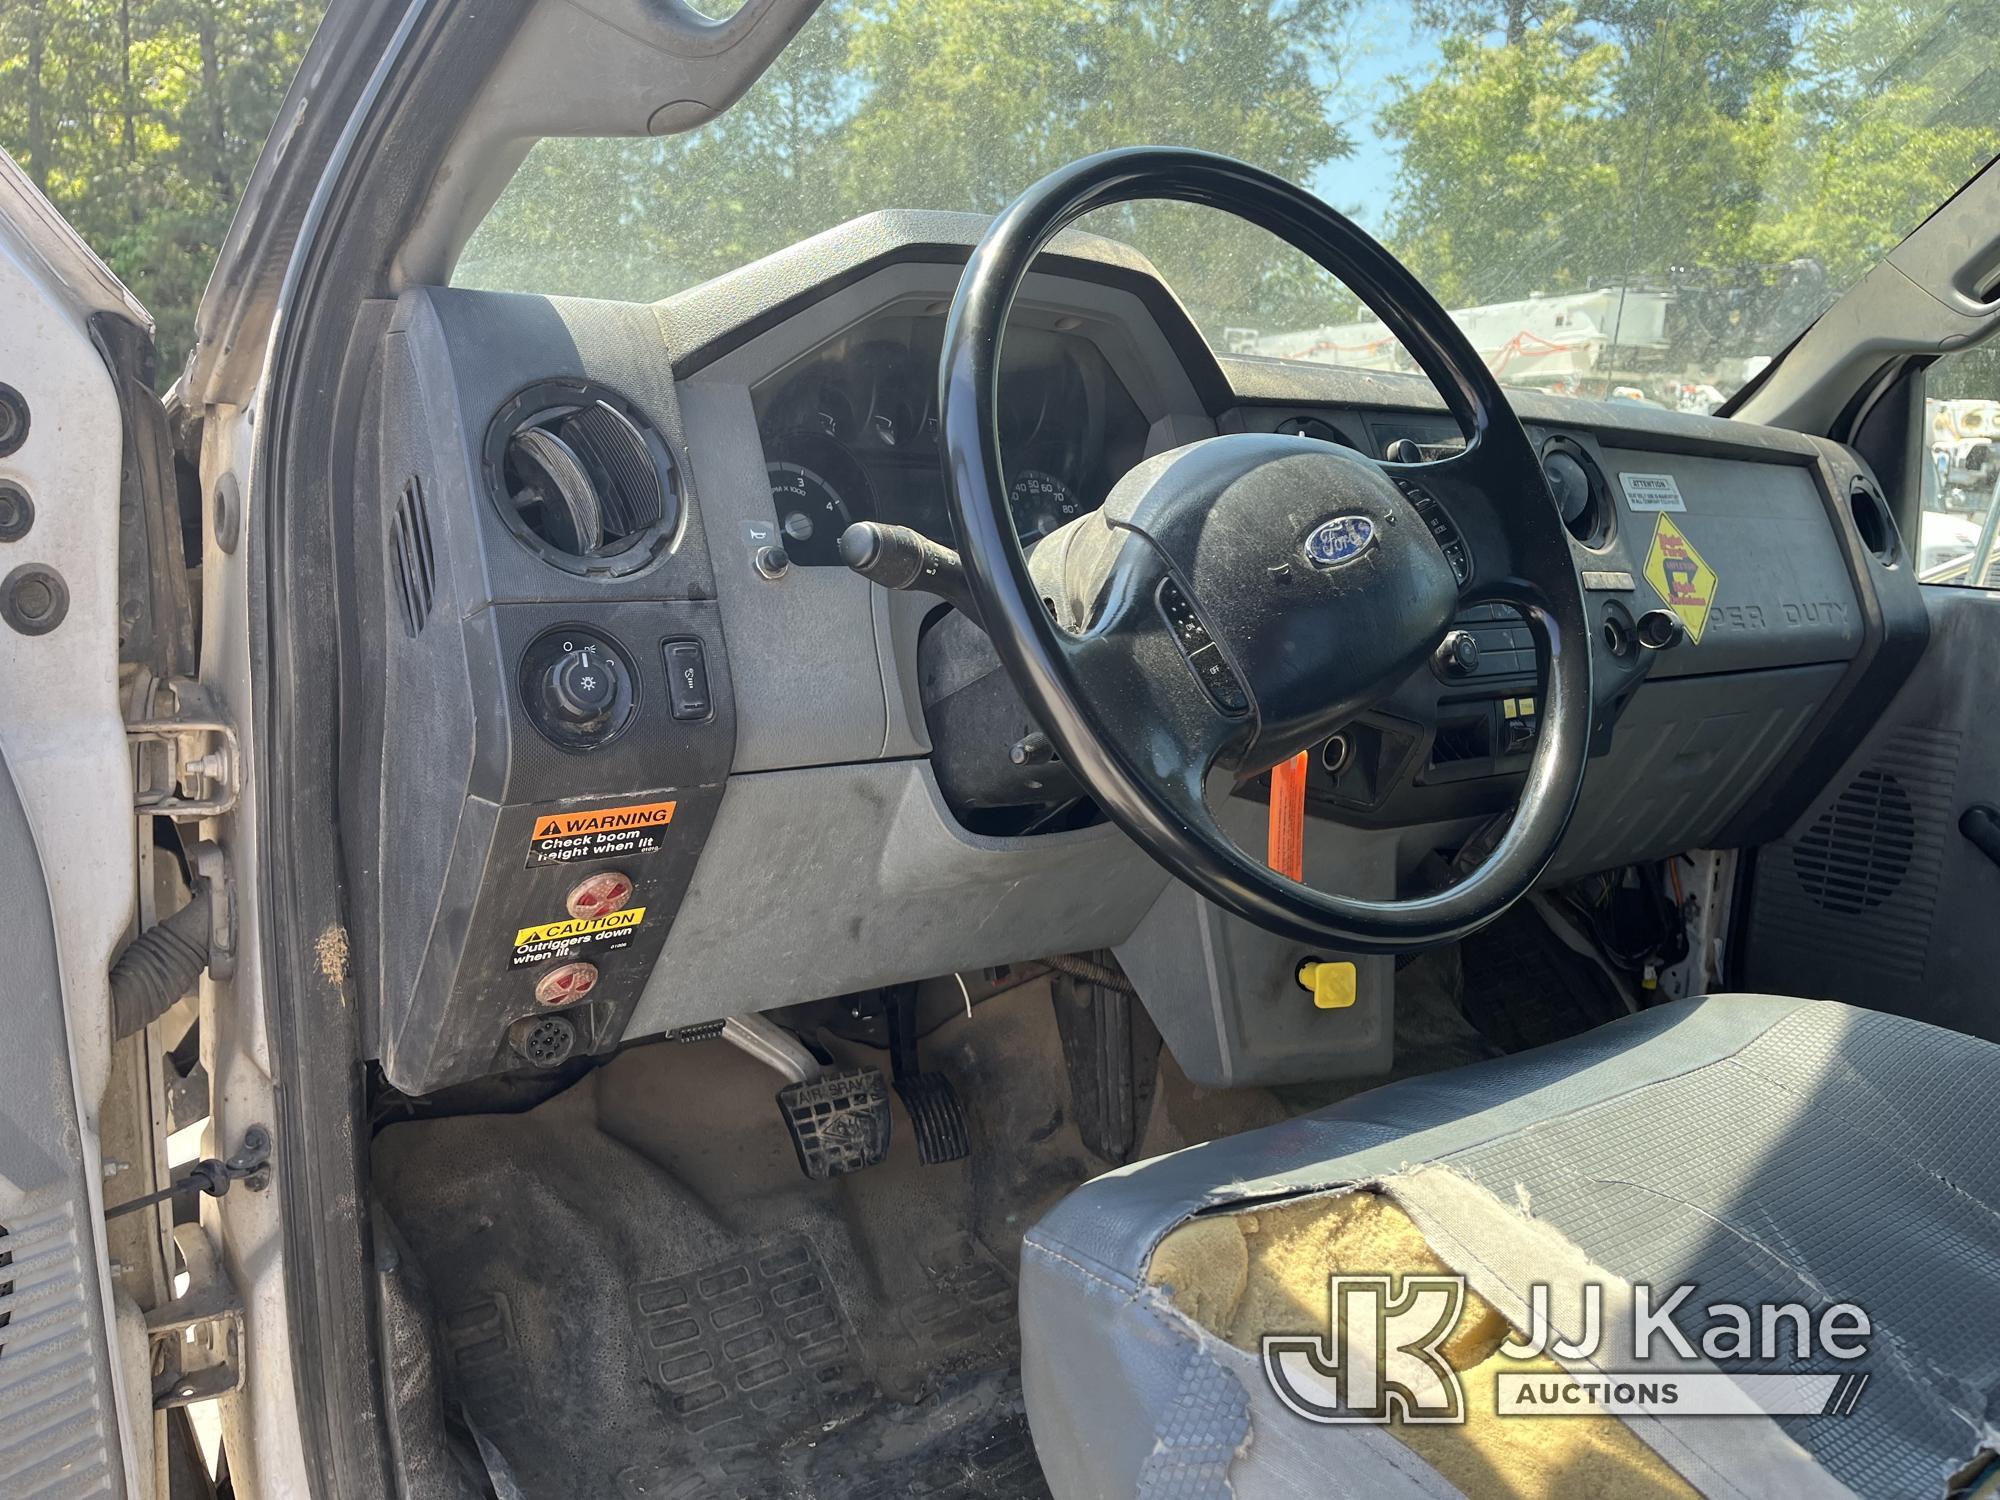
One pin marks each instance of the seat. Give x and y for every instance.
(1767, 1150)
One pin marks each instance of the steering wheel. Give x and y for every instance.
(1239, 599)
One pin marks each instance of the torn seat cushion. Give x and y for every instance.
(1764, 1149)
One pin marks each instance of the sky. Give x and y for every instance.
(1383, 45)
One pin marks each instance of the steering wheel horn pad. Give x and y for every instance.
(1308, 569)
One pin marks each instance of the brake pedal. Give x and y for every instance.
(839, 1121)
(936, 1116)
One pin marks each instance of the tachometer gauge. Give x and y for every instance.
(807, 503)
(817, 491)
(1041, 503)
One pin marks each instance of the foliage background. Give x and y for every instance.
(141, 120)
(1752, 155)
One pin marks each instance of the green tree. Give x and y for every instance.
(949, 104)
(141, 120)
(1751, 161)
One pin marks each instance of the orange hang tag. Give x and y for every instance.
(1287, 853)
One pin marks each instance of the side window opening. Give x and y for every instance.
(1961, 483)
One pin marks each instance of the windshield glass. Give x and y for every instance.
(1642, 199)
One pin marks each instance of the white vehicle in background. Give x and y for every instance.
(1541, 341)
(1962, 451)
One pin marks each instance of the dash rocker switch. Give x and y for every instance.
(687, 680)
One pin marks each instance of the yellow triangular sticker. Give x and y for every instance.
(1681, 577)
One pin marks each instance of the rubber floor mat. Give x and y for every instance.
(639, 1295)
(746, 1354)
(1524, 987)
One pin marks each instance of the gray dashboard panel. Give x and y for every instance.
(1683, 758)
(832, 879)
(1783, 595)
(826, 662)
(1135, 346)
(809, 678)
(1225, 994)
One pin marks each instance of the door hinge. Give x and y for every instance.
(196, 1341)
(188, 763)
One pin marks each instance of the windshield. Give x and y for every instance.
(1640, 199)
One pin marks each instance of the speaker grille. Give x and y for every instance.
(1856, 853)
(412, 557)
(1852, 895)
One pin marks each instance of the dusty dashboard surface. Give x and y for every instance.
(637, 726)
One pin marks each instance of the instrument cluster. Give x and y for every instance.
(850, 433)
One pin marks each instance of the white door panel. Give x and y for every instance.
(66, 871)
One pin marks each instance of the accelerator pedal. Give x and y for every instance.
(935, 1113)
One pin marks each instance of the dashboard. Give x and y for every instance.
(634, 752)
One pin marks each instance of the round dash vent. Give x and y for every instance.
(1873, 521)
(1856, 853)
(582, 478)
(1580, 490)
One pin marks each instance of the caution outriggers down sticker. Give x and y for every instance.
(599, 833)
(575, 935)
(1681, 576)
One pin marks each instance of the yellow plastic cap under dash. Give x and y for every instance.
(1329, 981)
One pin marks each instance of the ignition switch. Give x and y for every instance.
(1457, 655)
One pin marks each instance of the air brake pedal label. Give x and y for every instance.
(1652, 492)
(600, 833)
(574, 936)
(1681, 577)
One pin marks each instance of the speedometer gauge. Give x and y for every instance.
(1041, 503)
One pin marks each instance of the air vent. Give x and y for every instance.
(1873, 520)
(1857, 852)
(1462, 740)
(412, 559)
(1580, 490)
(582, 478)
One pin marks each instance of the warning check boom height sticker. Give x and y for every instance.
(599, 833)
(1681, 576)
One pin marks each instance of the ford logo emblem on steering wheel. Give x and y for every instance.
(1338, 541)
